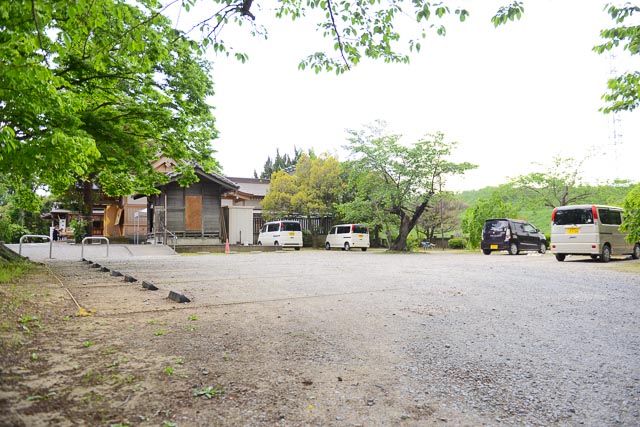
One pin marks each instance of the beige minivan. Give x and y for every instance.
(590, 230)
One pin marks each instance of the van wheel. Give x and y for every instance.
(560, 257)
(513, 249)
(543, 248)
(363, 249)
(327, 246)
(347, 246)
(276, 243)
(486, 251)
(636, 251)
(605, 256)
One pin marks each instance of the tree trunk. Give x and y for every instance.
(7, 255)
(400, 243)
(407, 223)
(87, 214)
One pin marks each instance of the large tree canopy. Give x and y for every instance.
(559, 184)
(408, 176)
(93, 90)
(312, 190)
(624, 90)
(391, 30)
(356, 29)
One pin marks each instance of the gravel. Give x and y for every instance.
(372, 338)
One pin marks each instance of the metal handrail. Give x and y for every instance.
(94, 238)
(174, 237)
(42, 236)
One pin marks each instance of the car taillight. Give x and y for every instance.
(353, 228)
(594, 212)
(553, 214)
(507, 235)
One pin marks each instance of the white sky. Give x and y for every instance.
(510, 96)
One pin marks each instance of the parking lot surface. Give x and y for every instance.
(374, 338)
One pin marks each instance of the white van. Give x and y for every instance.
(591, 230)
(287, 234)
(347, 236)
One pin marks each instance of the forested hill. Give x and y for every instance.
(528, 209)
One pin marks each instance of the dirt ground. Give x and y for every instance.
(82, 347)
(303, 338)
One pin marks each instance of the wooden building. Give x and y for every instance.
(193, 212)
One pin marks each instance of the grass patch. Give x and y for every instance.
(20, 306)
(626, 266)
(11, 271)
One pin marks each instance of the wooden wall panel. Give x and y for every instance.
(193, 213)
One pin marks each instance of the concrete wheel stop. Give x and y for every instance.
(148, 285)
(116, 273)
(129, 278)
(178, 297)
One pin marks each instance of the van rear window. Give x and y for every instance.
(496, 225)
(291, 226)
(360, 229)
(573, 216)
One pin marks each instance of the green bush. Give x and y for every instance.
(412, 242)
(457, 243)
(79, 228)
(307, 239)
(11, 232)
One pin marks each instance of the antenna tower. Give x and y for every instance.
(615, 132)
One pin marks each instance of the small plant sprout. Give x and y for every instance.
(41, 396)
(88, 343)
(159, 332)
(209, 392)
(169, 424)
(153, 322)
(169, 370)
(225, 357)
(193, 318)
(34, 356)
(27, 319)
(179, 362)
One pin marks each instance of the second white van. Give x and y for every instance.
(287, 234)
(590, 230)
(347, 236)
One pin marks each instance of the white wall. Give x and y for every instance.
(241, 224)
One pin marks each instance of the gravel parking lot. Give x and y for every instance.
(365, 338)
